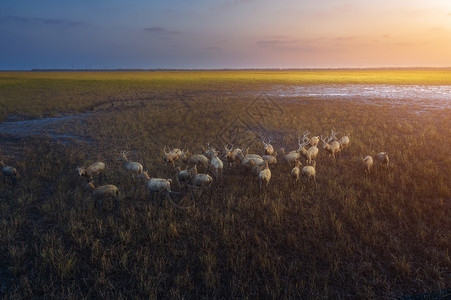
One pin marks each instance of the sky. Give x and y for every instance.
(224, 34)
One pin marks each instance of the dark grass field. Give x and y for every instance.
(382, 235)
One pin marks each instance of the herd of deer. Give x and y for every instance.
(255, 164)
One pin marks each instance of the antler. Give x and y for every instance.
(165, 150)
(205, 149)
(228, 150)
(300, 145)
(333, 134)
(266, 138)
(305, 135)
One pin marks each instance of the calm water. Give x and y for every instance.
(50, 127)
(424, 96)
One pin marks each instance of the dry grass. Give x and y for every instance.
(386, 234)
(39, 94)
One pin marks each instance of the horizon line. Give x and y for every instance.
(217, 69)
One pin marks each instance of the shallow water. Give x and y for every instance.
(50, 127)
(421, 98)
(424, 96)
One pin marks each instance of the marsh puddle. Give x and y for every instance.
(425, 97)
(65, 129)
(62, 129)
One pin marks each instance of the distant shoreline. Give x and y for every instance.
(231, 69)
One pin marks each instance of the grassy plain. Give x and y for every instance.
(387, 234)
(38, 94)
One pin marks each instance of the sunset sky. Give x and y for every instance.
(224, 34)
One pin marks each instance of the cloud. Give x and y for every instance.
(238, 2)
(161, 31)
(235, 2)
(346, 9)
(344, 38)
(213, 48)
(229, 4)
(276, 43)
(409, 43)
(285, 45)
(45, 21)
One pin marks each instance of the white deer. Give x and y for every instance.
(133, 167)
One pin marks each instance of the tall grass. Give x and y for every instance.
(386, 234)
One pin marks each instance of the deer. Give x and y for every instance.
(296, 171)
(255, 169)
(209, 152)
(217, 164)
(271, 159)
(194, 160)
(231, 154)
(382, 157)
(367, 163)
(10, 172)
(182, 176)
(269, 149)
(310, 171)
(171, 156)
(251, 155)
(91, 171)
(102, 192)
(311, 141)
(246, 158)
(289, 157)
(312, 152)
(294, 155)
(156, 185)
(344, 141)
(333, 148)
(200, 181)
(133, 167)
(264, 176)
